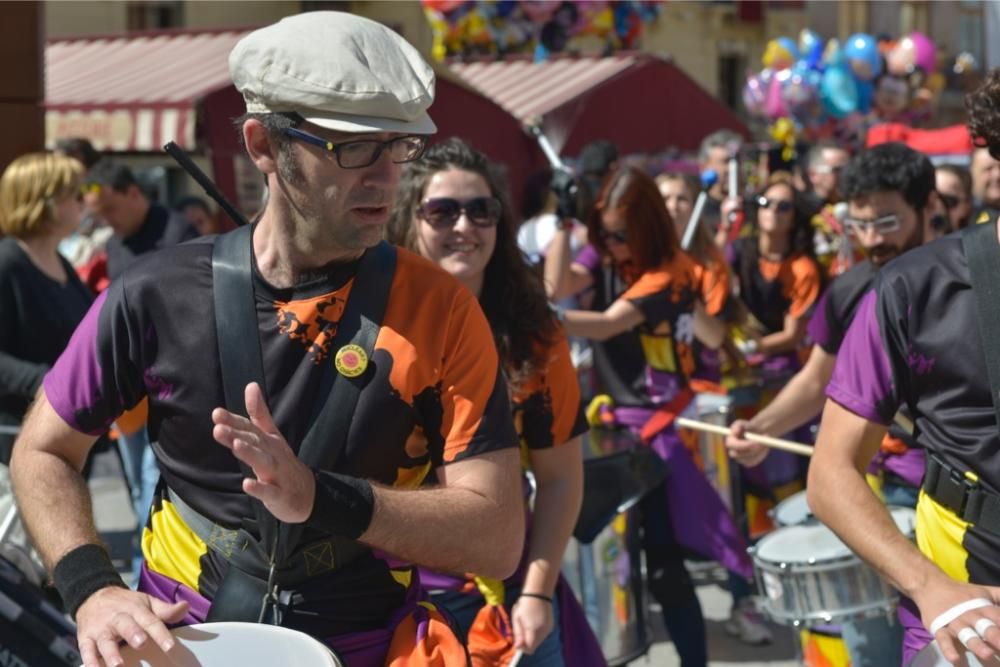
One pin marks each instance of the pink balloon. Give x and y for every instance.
(924, 52)
(755, 93)
(774, 105)
(539, 11)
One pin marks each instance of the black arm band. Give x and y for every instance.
(343, 505)
(81, 573)
(537, 596)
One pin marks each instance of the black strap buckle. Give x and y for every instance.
(948, 486)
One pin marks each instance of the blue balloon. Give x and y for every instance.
(810, 48)
(862, 56)
(838, 91)
(789, 45)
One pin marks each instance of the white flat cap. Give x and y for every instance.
(336, 70)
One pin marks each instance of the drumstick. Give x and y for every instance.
(517, 658)
(773, 443)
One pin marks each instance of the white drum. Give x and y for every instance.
(793, 510)
(224, 644)
(931, 656)
(809, 577)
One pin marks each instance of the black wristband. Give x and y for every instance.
(537, 596)
(343, 505)
(81, 573)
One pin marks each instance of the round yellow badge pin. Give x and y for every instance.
(351, 361)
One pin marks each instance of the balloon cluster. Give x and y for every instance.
(811, 90)
(541, 27)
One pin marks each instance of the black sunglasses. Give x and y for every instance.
(364, 152)
(619, 236)
(444, 212)
(949, 201)
(780, 205)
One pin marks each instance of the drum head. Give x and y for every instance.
(708, 403)
(809, 543)
(931, 656)
(244, 644)
(793, 510)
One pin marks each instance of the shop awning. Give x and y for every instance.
(134, 93)
(642, 103)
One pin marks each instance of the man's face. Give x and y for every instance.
(986, 178)
(718, 161)
(825, 174)
(957, 203)
(200, 219)
(115, 208)
(340, 209)
(883, 246)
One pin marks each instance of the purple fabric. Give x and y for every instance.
(358, 649)
(588, 258)
(580, 647)
(74, 382)
(909, 465)
(915, 635)
(819, 330)
(862, 376)
(699, 516)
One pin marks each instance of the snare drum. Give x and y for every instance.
(931, 656)
(793, 511)
(248, 644)
(809, 577)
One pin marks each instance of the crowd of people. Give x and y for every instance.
(361, 417)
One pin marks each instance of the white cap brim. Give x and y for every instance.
(348, 123)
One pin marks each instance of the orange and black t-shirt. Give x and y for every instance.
(714, 281)
(650, 364)
(547, 407)
(775, 289)
(436, 396)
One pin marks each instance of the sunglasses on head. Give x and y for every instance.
(884, 225)
(444, 212)
(618, 236)
(780, 205)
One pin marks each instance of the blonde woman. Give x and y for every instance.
(41, 297)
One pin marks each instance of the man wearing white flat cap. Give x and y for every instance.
(305, 380)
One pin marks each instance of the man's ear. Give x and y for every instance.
(260, 148)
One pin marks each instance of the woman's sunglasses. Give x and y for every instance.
(617, 236)
(780, 205)
(444, 212)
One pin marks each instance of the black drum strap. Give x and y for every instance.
(241, 363)
(983, 254)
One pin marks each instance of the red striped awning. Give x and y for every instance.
(529, 90)
(133, 93)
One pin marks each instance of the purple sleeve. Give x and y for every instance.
(85, 385)
(862, 379)
(588, 258)
(819, 330)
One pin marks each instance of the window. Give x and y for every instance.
(154, 15)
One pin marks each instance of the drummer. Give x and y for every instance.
(890, 192)
(917, 340)
(648, 311)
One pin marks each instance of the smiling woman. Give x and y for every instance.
(454, 210)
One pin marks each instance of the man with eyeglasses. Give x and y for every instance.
(299, 502)
(922, 338)
(889, 193)
(825, 164)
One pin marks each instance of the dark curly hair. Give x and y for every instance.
(513, 297)
(890, 167)
(983, 107)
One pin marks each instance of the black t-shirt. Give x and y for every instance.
(436, 397)
(37, 318)
(160, 229)
(915, 342)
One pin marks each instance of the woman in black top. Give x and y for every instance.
(41, 298)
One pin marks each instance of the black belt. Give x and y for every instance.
(243, 551)
(964, 496)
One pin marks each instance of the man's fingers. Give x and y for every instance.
(263, 463)
(88, 652)
(108, 649)
(257, 408)
(262, 491)
(129, 630)
(155, 620)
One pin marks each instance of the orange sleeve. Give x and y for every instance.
(802, 285)
(714, 282)
(476, 414)
(547, 406)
